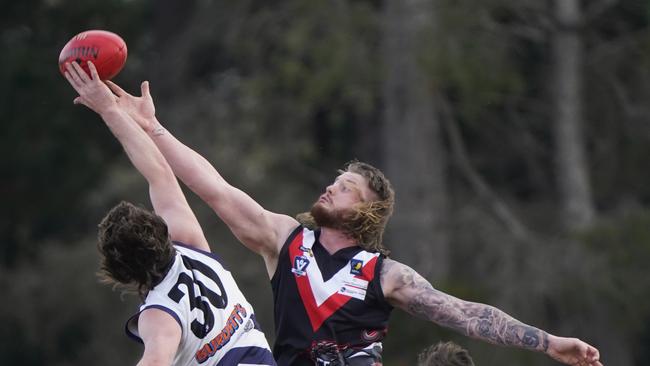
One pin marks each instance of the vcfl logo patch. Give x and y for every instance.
(300, 263)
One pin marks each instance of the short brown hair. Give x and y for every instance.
(445, 354)
(135, 247)
(367, 222)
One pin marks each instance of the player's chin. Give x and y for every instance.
(321, 213)
(320, 204)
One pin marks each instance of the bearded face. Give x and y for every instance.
(361, 223)
(330, 218)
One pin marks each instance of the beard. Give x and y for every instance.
(333, 219)
(365, 224)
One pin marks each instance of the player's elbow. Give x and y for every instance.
(259, 241)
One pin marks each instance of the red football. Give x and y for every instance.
(105, 49)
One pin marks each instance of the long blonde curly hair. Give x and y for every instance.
(367, 221)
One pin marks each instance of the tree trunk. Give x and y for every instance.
(572, 170)
(413, 153)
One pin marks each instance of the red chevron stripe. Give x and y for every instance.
(318, 314)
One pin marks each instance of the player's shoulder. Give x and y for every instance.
(391, 266)
(192, 254)
(393, 274)
(192, 250)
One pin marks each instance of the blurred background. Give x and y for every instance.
(516, 134)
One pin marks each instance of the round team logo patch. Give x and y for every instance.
(371, 335)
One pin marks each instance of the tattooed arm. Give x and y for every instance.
(414, 294)
(406, 289)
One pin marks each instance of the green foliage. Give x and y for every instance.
(45, 139)
(60, 316)
(623, 243)
(475, 63)
(319, 72)
(620, 284)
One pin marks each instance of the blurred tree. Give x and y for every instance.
(572, 168)
(44, 145)
(53, 160)
(418, 233)
(58, 314)
(621, 286)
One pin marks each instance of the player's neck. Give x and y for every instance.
(334, 240)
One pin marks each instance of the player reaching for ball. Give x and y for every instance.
(193, 312)
(333, 283)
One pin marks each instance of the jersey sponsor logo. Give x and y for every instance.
(353, 292)
(235, 319)
(249, 326)
(354, 287)
(300, 264)
(355, 266)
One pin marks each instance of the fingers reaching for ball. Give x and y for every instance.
(93, 93)
(116, 89)
(93, 71)
(73, 77)
(76, 75)
(81, 72)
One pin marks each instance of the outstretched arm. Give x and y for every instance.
(406, 289)
(258, 229)
(166, 195)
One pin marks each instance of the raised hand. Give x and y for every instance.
(93, 93)
(141, 108)
(572, 351)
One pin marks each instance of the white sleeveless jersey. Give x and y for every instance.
(218, 324)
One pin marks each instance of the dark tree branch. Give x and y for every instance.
(459, 152)
(597, 8)
(629, 108)
(534, 29)
(525, 31)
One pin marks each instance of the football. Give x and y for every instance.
(105, 49)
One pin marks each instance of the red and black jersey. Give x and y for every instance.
(323, 297)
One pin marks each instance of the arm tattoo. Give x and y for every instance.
(418, 297)
(158, 130)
